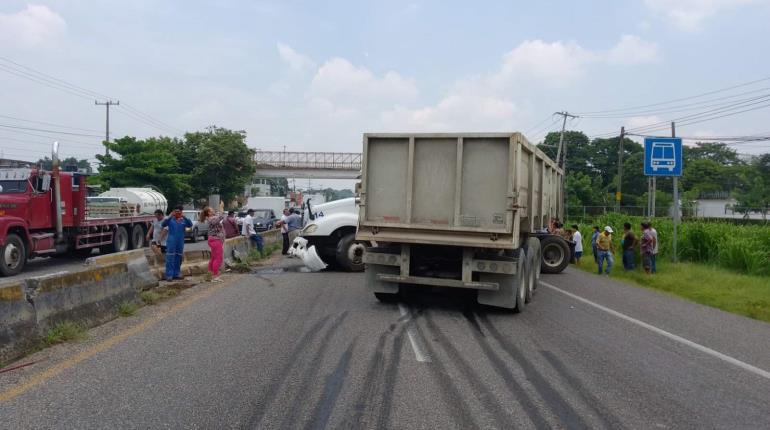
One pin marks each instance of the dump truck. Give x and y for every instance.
(47, 213)
(460, 211)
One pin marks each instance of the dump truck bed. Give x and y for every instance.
(467, 189)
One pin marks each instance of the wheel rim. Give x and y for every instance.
(122, 242)
(552, 255)
(12, 256)
(356, 253)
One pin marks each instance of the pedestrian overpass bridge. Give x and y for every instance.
(326, 165)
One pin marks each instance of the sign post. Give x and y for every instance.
(663, 157)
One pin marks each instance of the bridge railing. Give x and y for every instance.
(308, 160)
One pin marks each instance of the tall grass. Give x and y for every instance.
(741, 248)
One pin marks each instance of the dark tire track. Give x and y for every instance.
(503, 418)
(567, 415)
(309, 376)
(261, 404)
(389, 381)
(332, 389)
(505, 373)
(372, 384)
(604, 414)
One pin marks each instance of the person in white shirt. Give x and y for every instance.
(285, 231)
(578, 239)
(247, 229)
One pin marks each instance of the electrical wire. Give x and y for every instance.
(48, 123)
(678, 99)
(43, 130)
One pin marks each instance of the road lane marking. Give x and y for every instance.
(726, 358)
(104, 345)
(411, 333)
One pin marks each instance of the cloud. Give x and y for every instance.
(32, 27)
(341, 82)
(554, 64)
(642, 121)
(689, 15)
(295, 60)
(633, 50)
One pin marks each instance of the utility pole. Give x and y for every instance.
(619, 194)
(559, 155)
(107, 104)
(676, 198)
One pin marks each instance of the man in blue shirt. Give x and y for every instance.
(176, 224)
(293, 221)
(594, 249)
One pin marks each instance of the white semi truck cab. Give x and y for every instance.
(331, 228)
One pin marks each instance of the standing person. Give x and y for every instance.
(594, 249)
(647, 245)
(283, 223)
(247, 229)
(654, 260)
(157, 233)
(176, 224)
(230, 225)
(577, 237)
(605, 248)
(216, 240)
(294, 220)
(629, 245)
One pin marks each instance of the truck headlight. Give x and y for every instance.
(310, 229)
(187, 229)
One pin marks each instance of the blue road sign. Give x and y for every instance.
(662, 156)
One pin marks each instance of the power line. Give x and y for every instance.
(51, 138)
(677, 100)
(49, 131)
(48, 123)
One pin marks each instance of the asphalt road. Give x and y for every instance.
(315, 350)
(65, 263)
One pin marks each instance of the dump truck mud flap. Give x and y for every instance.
(506, 295)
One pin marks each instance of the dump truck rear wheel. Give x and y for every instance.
(555, 252)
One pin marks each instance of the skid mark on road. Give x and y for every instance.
(309, 376)
(389, 381)
(502, 417)
(332, 389)
(411, 332)
(511, 384)
(726, 358)
(371, 386)
(568, 416)
(609, 420)
(264, 401)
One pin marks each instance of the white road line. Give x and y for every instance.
(734, 361)
(419, 354)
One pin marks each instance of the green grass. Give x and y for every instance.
(127, 309)
(65, 331)
(150, 297)
(746, 295)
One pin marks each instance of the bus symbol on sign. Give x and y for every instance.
(662, 156)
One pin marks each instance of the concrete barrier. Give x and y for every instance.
(18, 328)
(29, 308)
(138, 262)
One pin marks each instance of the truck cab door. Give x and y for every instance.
(41, 203)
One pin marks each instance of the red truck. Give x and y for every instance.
(31, 226)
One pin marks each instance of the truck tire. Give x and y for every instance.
(522, 287)
(555, 254)
(137, 237)
(350, 253)
(534, 243)
(13, 255)
(119, 240)
(531, 279)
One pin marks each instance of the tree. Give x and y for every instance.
(218, 162)
(754, 192)
(717, 152)
(145, 162)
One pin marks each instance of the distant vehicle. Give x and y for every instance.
(276, 204)
(663, 156)
(264, 219)
(198, 229)
(31, 226)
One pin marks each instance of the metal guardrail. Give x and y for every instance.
(308, 160)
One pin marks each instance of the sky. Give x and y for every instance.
(315, 76)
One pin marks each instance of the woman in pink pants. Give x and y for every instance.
(216, 240)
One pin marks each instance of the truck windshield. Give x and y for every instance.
(13, 187)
